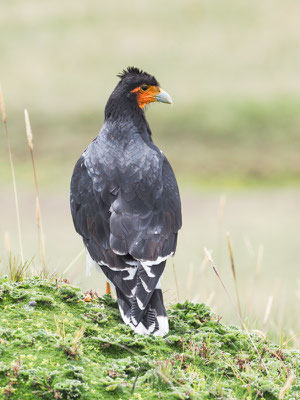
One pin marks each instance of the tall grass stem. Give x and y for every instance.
(41, 237)
(2, 106)
(234, 274)
(221, 212)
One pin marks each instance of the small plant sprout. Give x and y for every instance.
(75, 343)
(68, 343)
(41, 237)
(2, 106)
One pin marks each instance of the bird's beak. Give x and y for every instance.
(163, 97)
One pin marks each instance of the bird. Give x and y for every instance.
(125, 203)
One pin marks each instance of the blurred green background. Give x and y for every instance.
(232, 136)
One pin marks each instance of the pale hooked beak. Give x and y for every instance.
(163, 97)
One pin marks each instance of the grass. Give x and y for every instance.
(17, 269)
(56, 345)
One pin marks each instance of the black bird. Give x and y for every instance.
(125, 203)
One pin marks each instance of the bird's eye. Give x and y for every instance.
(144, 88)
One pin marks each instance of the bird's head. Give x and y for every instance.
(142, 87)
(135, 90)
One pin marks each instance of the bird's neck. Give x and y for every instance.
(125, 112)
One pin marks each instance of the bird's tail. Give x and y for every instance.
(145, 312)
(154, 321)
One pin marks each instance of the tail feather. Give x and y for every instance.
(124, 306)
(157, 304)
(140, 298)
(146, 281)
(154, 320)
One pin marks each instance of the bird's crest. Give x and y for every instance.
(130, 71)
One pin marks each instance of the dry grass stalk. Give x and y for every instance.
(268, 309)
(235, 307)
(78, 335)
(28, 129)
(60, 333)
(175, 277)
(286, 386)
(2, 106)
(41, 237)
(221, 209)
(73, 262)
(234, 274)
(135, 380)
(259, 333)
(294, 338)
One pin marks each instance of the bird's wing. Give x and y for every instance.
(146, 215)
(91, 217)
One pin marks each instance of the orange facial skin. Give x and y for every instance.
(145, 97)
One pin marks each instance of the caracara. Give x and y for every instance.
(126, 205)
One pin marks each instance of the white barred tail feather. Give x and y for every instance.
(154, 321)
(140, 298)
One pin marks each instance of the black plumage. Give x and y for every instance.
(125, 203)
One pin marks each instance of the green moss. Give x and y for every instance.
(70, 294)
(54, 345)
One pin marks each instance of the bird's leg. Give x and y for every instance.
(108, 289)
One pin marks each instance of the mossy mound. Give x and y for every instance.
(56, 344)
